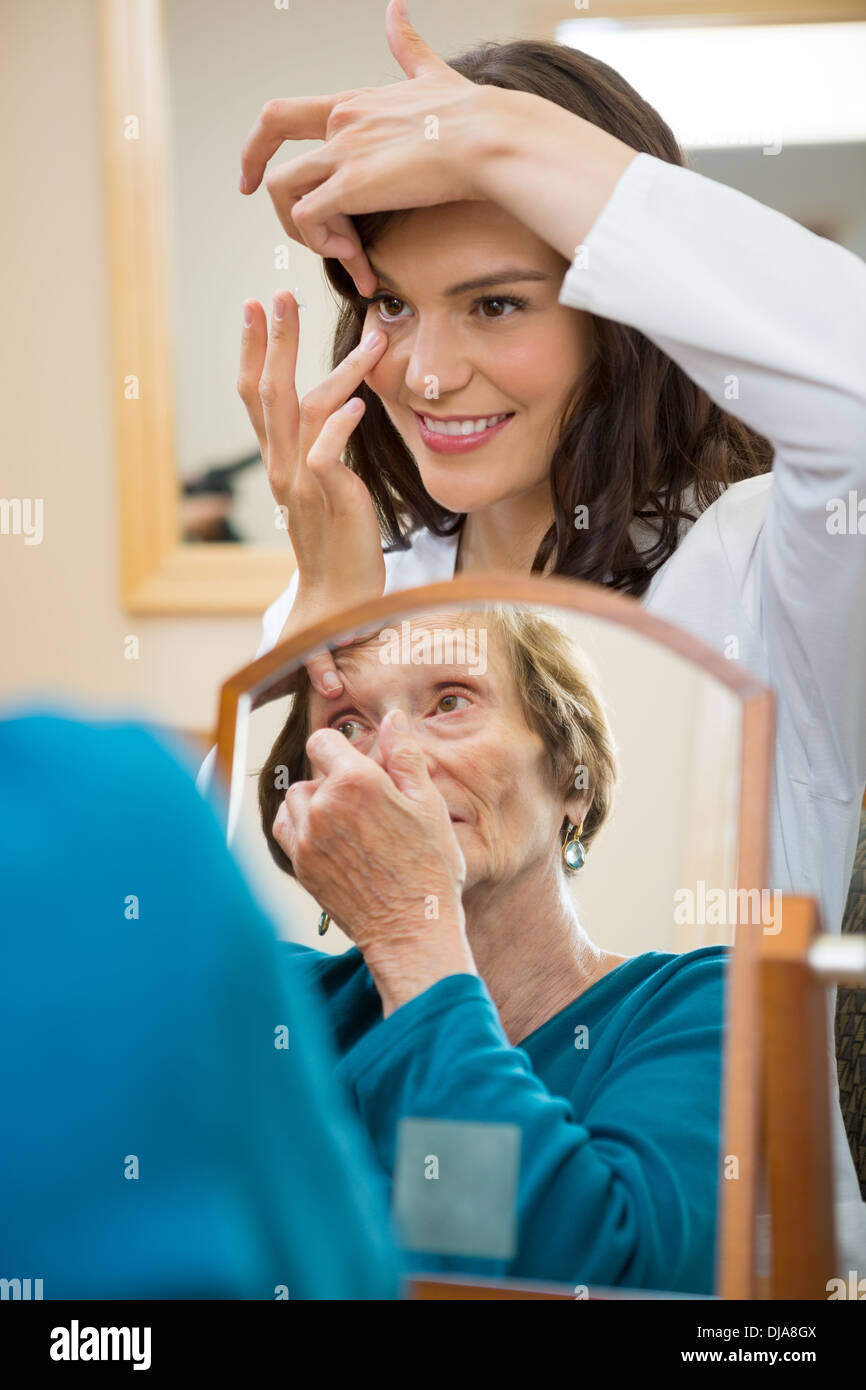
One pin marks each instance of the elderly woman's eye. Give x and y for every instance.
(452, 696)
(345, 726)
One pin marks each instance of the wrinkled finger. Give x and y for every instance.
(291, 818)
(324, 676)
(330, 755)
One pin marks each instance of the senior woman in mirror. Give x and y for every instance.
(437, 813)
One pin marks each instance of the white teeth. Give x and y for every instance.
(462, 427)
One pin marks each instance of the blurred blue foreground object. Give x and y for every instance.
(170, 1121)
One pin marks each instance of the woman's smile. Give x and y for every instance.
(456, 434)
(480, 322)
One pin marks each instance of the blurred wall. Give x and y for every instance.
(62, 629)
(62, 626)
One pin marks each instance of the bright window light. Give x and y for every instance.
(739, 84)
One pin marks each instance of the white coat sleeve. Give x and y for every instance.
(770, 320)
(272, 625)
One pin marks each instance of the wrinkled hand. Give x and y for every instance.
(406, 145)
(375, 846)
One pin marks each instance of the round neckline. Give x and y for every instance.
(595, 989)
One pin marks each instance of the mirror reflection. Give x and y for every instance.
(494, 855)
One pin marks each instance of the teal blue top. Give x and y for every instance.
(170, 1125)
(590, 1154)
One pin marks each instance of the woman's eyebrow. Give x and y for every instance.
(505, 275)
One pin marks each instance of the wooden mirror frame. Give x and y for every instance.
(159, 573)
(249, 687)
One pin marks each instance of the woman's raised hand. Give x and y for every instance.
(407, 145)
(372, 840)
(328, 511)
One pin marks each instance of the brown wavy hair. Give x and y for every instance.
(638, 439)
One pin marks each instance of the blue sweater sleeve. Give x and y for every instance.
(616, 1188)
(170, 1122)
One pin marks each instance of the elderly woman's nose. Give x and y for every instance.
(374, 750)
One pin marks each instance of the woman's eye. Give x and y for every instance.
(452, 707)
(346, 726)
(502, 306)
(390, 309)
(385, 304)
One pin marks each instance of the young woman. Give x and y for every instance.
(631, 345)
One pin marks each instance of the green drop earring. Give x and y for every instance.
(573, 852)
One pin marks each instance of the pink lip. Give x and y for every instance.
(457, 443)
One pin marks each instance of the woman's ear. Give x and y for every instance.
(577, 806)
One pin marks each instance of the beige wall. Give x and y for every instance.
(62, 627)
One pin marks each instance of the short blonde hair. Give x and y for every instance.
(560, 702)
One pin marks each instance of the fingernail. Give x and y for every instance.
(399, 722)
(248, 315)
(331, 682)
(279, 307)
(372, 340)
(402, 9)
(242, 184)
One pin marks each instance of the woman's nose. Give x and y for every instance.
(416, 728)
(375, 749)
(435, 365)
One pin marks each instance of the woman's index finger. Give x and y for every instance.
(346, 377)
(284, 118)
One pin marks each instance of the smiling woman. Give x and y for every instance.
(510, 358)
(585, 395)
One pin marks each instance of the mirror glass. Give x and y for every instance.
(659, 875)
(673, 824)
